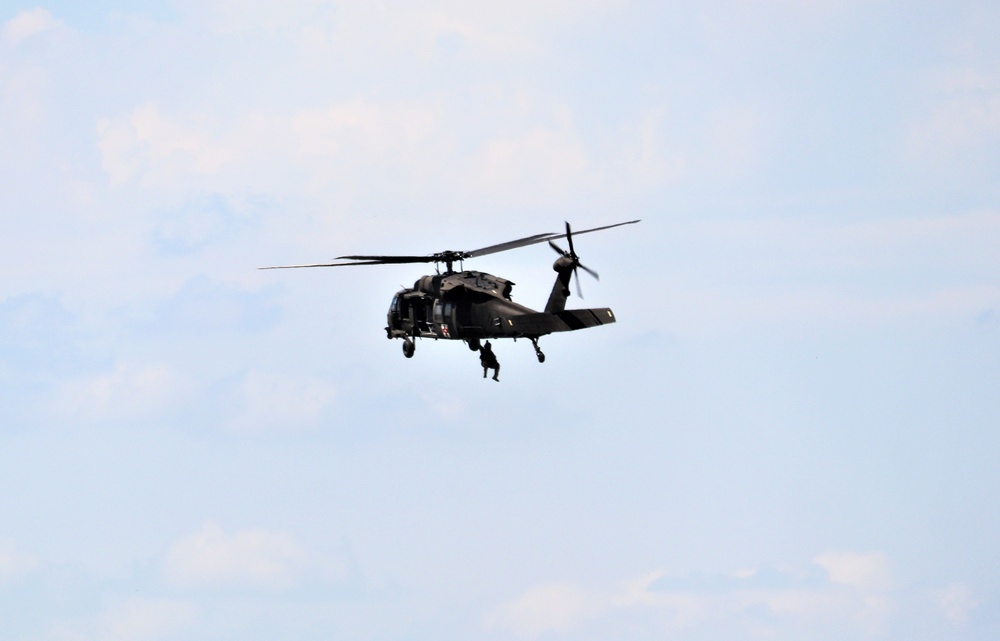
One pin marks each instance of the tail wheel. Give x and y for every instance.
(408, 348)
(538, 351)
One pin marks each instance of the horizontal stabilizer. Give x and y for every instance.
(567, 320)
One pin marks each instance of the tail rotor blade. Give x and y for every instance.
(589, 271)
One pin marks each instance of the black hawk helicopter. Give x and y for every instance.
(474, 306)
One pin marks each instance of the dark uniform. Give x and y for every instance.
(489, 361)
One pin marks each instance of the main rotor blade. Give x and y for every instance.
(382, 260)
(317, 265)
(587, 231)
(538, 238)
(455, 256)
(512, 244)
(387, 260)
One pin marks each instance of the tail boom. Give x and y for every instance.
(567, 320)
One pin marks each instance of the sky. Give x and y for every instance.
(790, 433)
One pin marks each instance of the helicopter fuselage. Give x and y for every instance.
(471, 305)
(463, 305)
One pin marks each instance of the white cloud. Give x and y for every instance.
(26, 89)
(681, 609)
(449, 409)
(782, 272)
(129, 391)
(542, 159)
(285, 152)
(952, 240)
(961, 119)
(472, 137)
(418, 150)
(13, 562)
(817, 604)
(27, 24)
(130, 619)
(957, 602)
(158, 148)
(345, 143)
(724, 309)
(553, 607)
(369, 29)
(255, 558)
(738, 142)
(282, 402)
(958, 124)
(239, 15)
(870, 582)
(147, 620)
(645, 155)
(856, 597)
(865, 572)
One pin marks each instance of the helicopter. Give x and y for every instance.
(474, 306)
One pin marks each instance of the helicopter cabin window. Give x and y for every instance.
(394, 305)
(438, 311)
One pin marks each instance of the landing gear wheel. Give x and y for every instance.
(474, 344)
(408, 348)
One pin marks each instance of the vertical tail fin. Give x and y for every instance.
(560, 290)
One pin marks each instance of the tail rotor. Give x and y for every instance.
(573, 259)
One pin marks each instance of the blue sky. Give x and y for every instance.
(791, 432)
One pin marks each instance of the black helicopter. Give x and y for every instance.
(474, 306)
